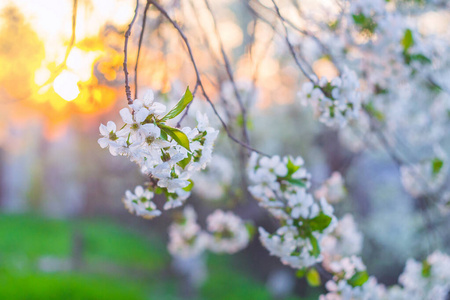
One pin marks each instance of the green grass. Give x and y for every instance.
(33, 236)
(26, 238)
(110, 242)
(112, 255)
(66, 286)
(118, 263)
(224, 283)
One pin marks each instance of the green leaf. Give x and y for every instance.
(165, 156)
(251, 229)
(291, 167)
(315, 244)
(370, 108)
(298, 182)
(332, 111)
(437, 165)
(320, 222)
(240, 121)
(159, 190)
(313, 277)
(301, 273)
(420, 58)
(183, 163)
(367, 24)
(426, 269)
(407, 40)
(333, 25)
(358, 279)
(176, 134)
(190, 186)
(179, 107)
(359, 19)
(380, 91)
(163, 134)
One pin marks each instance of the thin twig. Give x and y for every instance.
(203, 32)
(231, 76)
(187, 108)
(141, 37)
(213, 56)
(199, 81)
(424, 201)
(290, 46)
(125, 52)
(62, 66)
(304, 32)
(285, 35)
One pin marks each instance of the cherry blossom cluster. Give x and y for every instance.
(398, 67)
(167, 155)
(140, 203)
(280, 185)
(341, 250)
(345, 241)
(334, 102)
(226, 233)
(384, 63)
(186, 238)
(276, 185)
(425, 177)
(429, 280)
(351, 281)
(333, 189)
(213, 182)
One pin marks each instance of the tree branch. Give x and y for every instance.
(231, 76)
(199, 81)
(290, 46)
(125, 52)
(141, 37)
(62, 66)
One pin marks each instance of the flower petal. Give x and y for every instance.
(141, 115)
(103, 130)
(149, 97)
(111, 126)
(139, 191)
(126, 115)
(103, 142)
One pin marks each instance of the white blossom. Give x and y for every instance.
(186, 239)
(140, 203)
(148, 141)
(344, 241)
(228, 232)
(334, 102)
(280, 184)
(112, 138)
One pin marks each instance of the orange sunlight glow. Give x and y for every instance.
(36, 82)
(66, 85)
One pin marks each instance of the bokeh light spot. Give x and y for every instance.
(65, 85)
